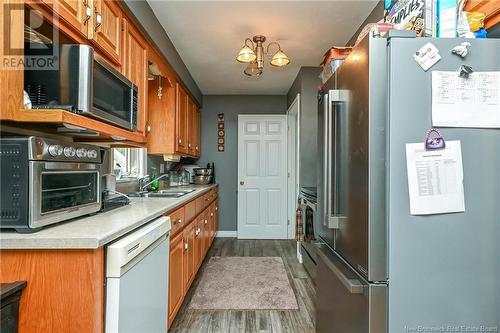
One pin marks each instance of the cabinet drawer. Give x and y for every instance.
(190, 211)
(177, 219)
(200, 204)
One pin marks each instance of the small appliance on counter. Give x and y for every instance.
(202, 176)
(190, 168)
(45, 181)
(111, 198)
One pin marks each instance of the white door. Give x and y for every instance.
(262, 177)
(293, 163)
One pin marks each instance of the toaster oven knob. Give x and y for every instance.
(69, 151)
(55, 150)
(81, 152)
(92, 153)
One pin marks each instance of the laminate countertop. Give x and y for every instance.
(94, 231)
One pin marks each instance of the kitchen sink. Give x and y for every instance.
(170, 193)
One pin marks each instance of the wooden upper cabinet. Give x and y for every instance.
(197, 135)
(190, 124)
(181, 124)
(135, 65)
(76, 13)
(106, 30)
(194, 129)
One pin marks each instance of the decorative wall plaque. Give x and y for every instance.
(221, 133)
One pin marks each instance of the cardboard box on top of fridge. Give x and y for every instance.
(429, 18)
(335, 53)
(411, 15)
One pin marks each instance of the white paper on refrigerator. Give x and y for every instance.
(466, 102)
(435, 179)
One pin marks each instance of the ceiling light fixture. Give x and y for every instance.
(253, 54)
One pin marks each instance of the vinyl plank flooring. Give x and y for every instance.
(256, 321)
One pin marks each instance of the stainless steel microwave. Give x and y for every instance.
(45, 181)
(78, 81)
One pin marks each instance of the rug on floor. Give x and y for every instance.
(244, 283)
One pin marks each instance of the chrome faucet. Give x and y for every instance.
(145, 178)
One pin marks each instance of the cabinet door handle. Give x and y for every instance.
(186, 246)
(98, 20)
(189, 145)
(211, 214)
(88, 14)
(180, 140)
(205, 221)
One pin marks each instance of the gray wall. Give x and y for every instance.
(226, 163)
(151, 26)
(306, 83)
(376, 15)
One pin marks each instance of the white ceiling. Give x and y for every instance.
(208, 35)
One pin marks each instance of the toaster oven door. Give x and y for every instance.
(62, 191)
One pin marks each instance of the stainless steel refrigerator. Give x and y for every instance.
(381, 269)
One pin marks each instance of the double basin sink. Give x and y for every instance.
(170, 193)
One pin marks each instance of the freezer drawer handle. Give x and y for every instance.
(352, 285)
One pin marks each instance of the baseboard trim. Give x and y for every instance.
(226, 234)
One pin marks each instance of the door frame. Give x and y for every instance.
(293, 164)
(284, 178)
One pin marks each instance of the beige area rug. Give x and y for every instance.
(244, 283)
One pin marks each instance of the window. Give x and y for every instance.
(129, 162)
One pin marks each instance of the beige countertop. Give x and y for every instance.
(92, 232)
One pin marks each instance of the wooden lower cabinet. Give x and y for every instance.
(65, 290)
(175, 279)
(199, 242)
(189, 246)
(189, 255)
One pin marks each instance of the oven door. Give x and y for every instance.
(62, 191)
(114, 96)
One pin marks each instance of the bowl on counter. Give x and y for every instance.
(202, 180)
(202, 172)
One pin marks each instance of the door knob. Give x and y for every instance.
(242, 183)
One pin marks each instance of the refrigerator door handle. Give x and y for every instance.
(354, 286)
(335, 220)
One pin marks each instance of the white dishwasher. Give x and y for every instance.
(137, 280)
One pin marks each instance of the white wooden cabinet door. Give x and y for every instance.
(262, 177)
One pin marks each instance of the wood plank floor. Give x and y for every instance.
(232, 321)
